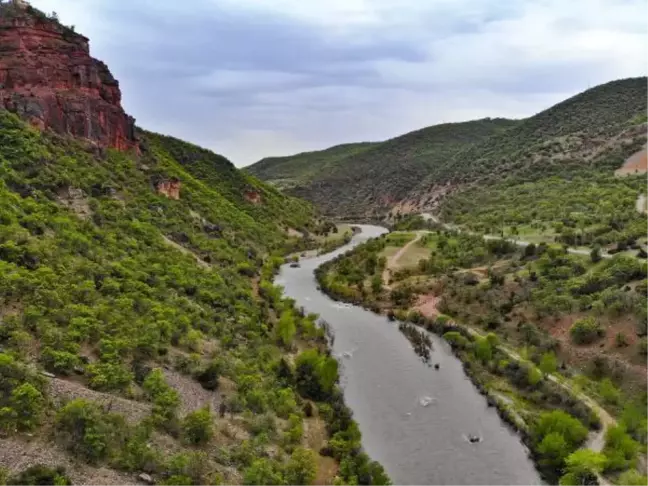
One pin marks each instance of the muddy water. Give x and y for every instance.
(414, 420)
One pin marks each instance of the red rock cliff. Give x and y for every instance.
(48, 77)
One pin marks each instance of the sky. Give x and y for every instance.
(256, 78)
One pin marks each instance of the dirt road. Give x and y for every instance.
(392, 262)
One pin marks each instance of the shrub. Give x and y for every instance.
(642, 345)
(620, 449)
(40, 474)
(198, 426)
(562, 423)
(315, 374)
(582, 467)
(586, 331)
(89, 432)
(301, 468)
(263, 471)
(165, 399)
(208, 377)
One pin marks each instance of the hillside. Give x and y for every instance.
(286, 172)
(384, 173)
(594, 129)
(141, 338)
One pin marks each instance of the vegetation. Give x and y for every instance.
(107, 282)
(378, 173)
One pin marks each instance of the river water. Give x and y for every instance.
(388, 388)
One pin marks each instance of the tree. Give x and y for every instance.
(562, 423)
(40, 474)
(286, 328)
(632, 478)
(301, 468)
(620, 449)
(483, 349)
(586, 330)
(548, 363)
(198, 427)
(609, 392)
(27, 403)
(583, 467)
(263, 471)
(595, 254)
(553, 449)
(376, 284)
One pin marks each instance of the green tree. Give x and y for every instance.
(89, 432)
(483, 349)
(548, 363)
(286, 328)
(553, 450)
(586, 330)
(595, 254)
(582, 467)
(301, 468)
(620, 449)
(198, 426)
(263, 471)
(561, 423)
(633, 478)
(609, 392)
(28, 404)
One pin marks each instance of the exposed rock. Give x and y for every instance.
(146, 478)
(48, 77)
(169, 188)
(253, 196)
(76, 200)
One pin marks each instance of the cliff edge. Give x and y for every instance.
(48, 77)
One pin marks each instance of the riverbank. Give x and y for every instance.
(519, 405)
(414, 421)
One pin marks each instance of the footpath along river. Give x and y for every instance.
(414, 420)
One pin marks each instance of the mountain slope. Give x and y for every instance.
(304, 167)
(384, 173)
(593, 128)
(141, 338)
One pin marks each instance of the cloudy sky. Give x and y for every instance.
(253, 78)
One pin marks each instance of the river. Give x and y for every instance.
(387, 386)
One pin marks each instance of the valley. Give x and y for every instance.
(465, 303)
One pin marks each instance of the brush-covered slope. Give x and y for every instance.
(596, 128)
(383, 173)
(286, 172)
(140, 334)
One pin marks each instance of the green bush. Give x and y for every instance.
(198, 426)
(89, 432)
(586, 331)
(620, 449)
(40, 474)
(301, 468)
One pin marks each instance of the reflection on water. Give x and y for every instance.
(415, 420)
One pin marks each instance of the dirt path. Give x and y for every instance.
(392, 262)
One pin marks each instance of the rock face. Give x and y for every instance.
(170, 188)
(252, 196)
(48, 77)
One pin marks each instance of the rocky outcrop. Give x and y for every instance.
(169, 188)
(48, 77)
(252, 196)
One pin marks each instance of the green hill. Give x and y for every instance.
(593, 129)
(124, 312)
(288, 171)
(378, 175)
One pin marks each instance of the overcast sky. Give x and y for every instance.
(254, 78)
